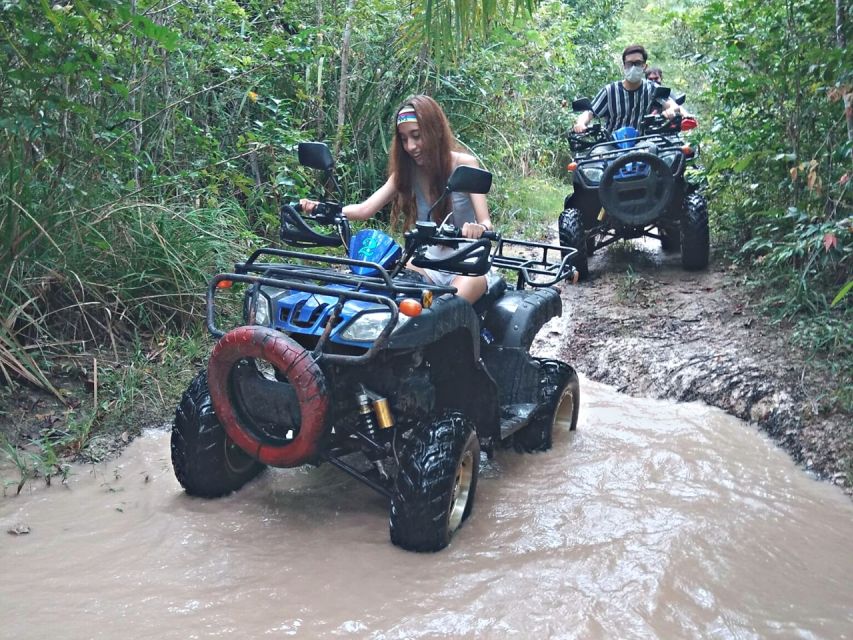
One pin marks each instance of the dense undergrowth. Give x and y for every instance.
(145, 145)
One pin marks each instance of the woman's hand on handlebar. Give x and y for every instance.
(307, 205)
(473, 230)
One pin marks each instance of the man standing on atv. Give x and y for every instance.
(624, 103)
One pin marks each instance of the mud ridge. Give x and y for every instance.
(647, 327)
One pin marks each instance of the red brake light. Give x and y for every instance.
(689, 123)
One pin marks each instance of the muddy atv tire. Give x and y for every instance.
(207, 463)
(559, 393)
(435, 485)
(695, 237)
(572, 235)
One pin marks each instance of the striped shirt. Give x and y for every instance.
(622, 108)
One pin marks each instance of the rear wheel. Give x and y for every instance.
(207, 463)
(435, 484)
(695, 237)
(572, 235)
(559, 394)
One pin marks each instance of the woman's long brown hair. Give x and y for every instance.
(437, 144)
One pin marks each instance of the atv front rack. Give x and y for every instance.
(342, 295)
(381, 289)
(662, 141)
(381, 282)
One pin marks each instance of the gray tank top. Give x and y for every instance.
(462, 208)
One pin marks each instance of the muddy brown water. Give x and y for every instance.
(653, 520)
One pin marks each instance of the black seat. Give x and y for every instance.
(495, 288)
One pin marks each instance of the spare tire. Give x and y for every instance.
(636, 196)
(300, 373)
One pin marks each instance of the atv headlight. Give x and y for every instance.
(262, 310)
(670, 157)
(592, 174)
(368, 326)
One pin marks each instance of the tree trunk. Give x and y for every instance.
(320, 25)
(847, 102)
(344, 84)
(135, 106)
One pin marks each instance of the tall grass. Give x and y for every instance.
(132, 268)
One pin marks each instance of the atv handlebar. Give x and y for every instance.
(295, 231)
(594, 135)
(657, 123)
(469, 257)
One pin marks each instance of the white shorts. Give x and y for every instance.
(441, 278)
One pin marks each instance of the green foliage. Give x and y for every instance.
(509, 101)
(525, 206)
(143, 145)
(777, 154)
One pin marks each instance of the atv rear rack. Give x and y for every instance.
(535, 272)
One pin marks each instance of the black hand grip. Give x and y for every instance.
(451, 231)
(296, 232)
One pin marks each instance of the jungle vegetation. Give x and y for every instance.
(145, 144)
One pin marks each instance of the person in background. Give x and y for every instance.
(654, 74)
(624, 103)
(423, 155)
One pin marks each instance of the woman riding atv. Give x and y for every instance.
(422, 159)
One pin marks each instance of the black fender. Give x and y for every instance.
(516, 318)
(586, 201)
(463, 383)
(448, 314)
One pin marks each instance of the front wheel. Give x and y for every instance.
(435, 484)
(207, 463)
(572, 235)
(559, 396)
(695, 237)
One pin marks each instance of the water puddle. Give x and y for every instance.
(653, 520)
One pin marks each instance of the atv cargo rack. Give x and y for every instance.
(534, 272)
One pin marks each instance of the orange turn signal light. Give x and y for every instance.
(572, 166)
(224, 284)
(411, 307)
(687, 150)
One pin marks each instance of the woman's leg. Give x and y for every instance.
(470, 287)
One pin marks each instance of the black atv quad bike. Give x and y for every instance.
(631, 184)
(358, 362)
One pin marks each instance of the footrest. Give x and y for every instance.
(515, 417)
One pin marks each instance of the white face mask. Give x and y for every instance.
(634, 74)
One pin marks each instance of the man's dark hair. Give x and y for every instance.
(635, 48)
(654, 70)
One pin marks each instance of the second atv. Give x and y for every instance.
(632, 184)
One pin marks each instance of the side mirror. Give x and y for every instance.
(582, 104)
(315, 155)
(679, 98)
(662, 93)
(469, 180)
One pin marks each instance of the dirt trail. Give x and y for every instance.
(646, 326)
